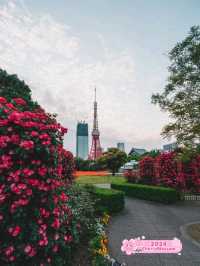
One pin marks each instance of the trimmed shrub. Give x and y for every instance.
(36, 222)
(107, 200)
(146, 192)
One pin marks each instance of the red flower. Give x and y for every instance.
(56, 223)
(44, 213)
(29, 250)
(14, 231)
(33, 182)
(15, 117)
(15, 139)
(3, 100)
(34, 134)
(27, 144)
(9, 250)
(64, 197)
(42, 171)
(55, 248)
(19, 101)
(10, 106)
(68, 238)
(28, 172)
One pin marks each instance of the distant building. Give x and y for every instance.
(136, 151)
(130, 165)
(170, 147)
(121, 146)
(82, 140)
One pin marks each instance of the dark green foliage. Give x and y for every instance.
(153, 193)
(12, 87)
(107, 200)
(83, 207)
(181, 96)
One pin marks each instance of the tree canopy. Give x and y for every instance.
(181, 95)
(12, 87)
(113, 159)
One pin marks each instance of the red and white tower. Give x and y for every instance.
(95, 151)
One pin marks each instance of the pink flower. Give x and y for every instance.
(55, 248)
(11, 106)
(44, 136)
(34, 134)
(42, 171)
(3, 122)
(33, 182)
(27, 144)
(3, 141)
(56, 236)
(9, 250)
(12, 258)
(3, 100)
(19, 101)
(15, 139)
(28, 172)
(14, 231)
(64, 197)
(15, 117)
(29, 192)
(27, 248)
(43, 242)
(15, 189)
(1, 217)
(56, 223)
(68, 238)
(44, 213)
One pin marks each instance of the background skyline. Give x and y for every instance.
(63, 49)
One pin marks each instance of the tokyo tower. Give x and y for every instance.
(95, 151)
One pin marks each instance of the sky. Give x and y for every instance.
(63, 49)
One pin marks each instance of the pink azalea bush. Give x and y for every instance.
(147, 173)
(131, 175)
(36, 222)
(166, 169)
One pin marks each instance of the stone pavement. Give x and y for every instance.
(154, 221)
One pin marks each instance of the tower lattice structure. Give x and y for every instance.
(96, 150)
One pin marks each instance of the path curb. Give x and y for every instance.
(184, 233)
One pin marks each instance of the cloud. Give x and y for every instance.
(50, 57)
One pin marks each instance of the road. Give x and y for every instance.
(154, 221)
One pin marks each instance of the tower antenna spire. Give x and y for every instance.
(96, 150)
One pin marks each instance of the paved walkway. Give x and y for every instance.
(154, 221)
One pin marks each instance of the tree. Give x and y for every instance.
(113, 159)
(11, 88)
(181, 96)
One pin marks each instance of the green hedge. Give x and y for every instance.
(146, 192)
(107, 200)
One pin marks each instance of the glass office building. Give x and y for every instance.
(82, 140)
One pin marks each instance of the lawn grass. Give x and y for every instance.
(98, 179)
